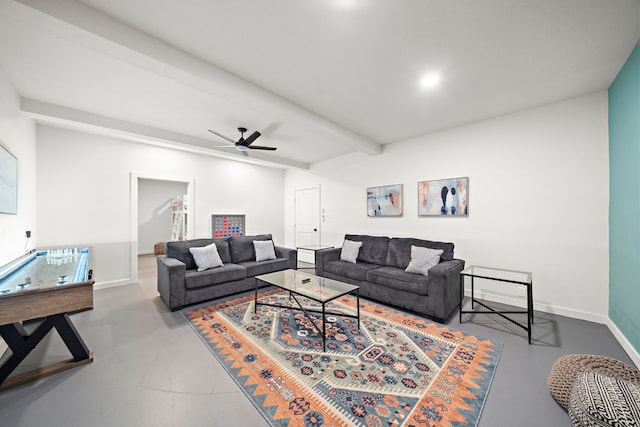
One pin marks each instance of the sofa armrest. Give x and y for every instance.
(290, 254)
(325, 255)
(444, 288)
(171, 282)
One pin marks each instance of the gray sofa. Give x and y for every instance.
(180, 284)
(379, 271)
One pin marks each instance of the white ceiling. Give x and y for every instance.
(319, 78)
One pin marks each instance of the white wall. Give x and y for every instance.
(17, 134)
(538, 199)
(155, 217)
(83, 191)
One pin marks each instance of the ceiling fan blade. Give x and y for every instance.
(251, 138)
(222, 136)
(260, 147)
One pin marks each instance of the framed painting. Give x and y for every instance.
(8, 182)
(385, 200)
(444, 197)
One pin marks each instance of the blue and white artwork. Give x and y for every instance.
(385, 200)
(444, 197)
(8, 182)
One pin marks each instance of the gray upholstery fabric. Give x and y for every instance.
(323, 257)
(180, 250)
(357, 271)
(256, 268)
(437, 295)
(180, 286)
(399, 253)
(226, 273)
(397, 278)
(242, 248)
(373, 250)
(170, 272)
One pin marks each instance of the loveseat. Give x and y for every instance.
(379, 270)
(181, 284)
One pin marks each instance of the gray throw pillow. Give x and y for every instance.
(350, 250)
(264, 250)
(206, 257)
(422, 259)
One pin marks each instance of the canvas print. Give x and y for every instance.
(8, 182)
(385, 200)
(444, 197)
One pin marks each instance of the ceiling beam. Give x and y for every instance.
(61, 116)
(103, 33)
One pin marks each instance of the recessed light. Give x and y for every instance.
(430, 81)
(345, 4)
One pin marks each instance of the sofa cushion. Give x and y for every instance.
(350, 250)
(396, 278)
(242, 248)
(255, 268)
(206, 257)
(422, 259)
(400, 250)
(264, 250)
(373, 250)
(356, 271)
(226, 273)
(180, 250)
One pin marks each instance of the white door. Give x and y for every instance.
(307, 221)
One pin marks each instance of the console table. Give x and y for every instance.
(523, 278)
(312, 248)
(43, 287)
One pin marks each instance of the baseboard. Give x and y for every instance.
(112, 284)
(624, 342)
(538, 306)
(146, 252)
(562, 311)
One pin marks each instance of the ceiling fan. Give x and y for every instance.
(243, 144)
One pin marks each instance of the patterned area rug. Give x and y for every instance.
(397, 369)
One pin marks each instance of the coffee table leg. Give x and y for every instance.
(324, 332)
(358, 305)
(255, 298)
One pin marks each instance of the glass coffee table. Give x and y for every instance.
(318, 289)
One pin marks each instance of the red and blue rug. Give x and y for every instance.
(397, 369)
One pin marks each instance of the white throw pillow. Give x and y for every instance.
(206, 257)
(350, 250)
(422, 259)
(264, 250)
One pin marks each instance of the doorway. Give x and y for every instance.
(307, 221)
(134, 201)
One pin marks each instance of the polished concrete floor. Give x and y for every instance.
(151, 369)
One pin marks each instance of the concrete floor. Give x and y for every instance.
(151, 369)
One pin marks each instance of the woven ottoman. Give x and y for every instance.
(160, 248)
(601, 401)
(565, 370)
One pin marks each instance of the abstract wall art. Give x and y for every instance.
(444, 197)
(385, 200)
